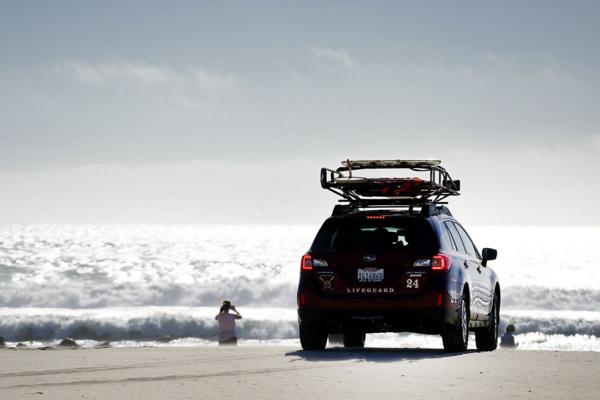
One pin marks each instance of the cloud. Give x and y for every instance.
(145, 74)
(491, 58)
(212, 81)
(190, 103)
(337, 57)
(106, 72)
(556, 75)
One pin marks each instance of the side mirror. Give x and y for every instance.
(488, 254)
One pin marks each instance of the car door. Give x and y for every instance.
(469, 268)
(482, 293)
(460, 255)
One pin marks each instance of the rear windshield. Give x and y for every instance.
(392, 233)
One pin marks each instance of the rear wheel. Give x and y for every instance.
(487, 339)
(312, 336)
(353, 338)
(456, 337)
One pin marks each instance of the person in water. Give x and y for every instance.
(226, 322)
(508, 340)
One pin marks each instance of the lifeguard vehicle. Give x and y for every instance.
(392, 258)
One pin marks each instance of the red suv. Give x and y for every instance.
(393, 259)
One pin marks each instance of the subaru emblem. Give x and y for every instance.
(369, 258)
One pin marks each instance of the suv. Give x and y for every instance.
(393, 259)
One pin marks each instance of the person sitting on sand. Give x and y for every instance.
(227, 323)
(508, 340)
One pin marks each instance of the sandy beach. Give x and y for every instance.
(272, 372)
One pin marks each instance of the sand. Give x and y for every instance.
(289, 373)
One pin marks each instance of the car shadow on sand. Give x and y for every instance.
(373, 354)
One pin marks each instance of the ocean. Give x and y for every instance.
(137, 285)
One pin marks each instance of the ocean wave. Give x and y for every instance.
(139, 324)
(259, 292)
(252, 292)
(553, 325)
(544, 298)
(156, 323)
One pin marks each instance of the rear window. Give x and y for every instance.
(392, 234)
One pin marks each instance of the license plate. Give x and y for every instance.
(370, 274)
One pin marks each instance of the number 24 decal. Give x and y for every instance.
(412, 284)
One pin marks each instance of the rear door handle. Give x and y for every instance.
(466, 264)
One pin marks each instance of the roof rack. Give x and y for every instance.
(361, 192)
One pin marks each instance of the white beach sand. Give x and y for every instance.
(289, 373)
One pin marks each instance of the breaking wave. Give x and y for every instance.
(166, 323)
(566, 322)
(146, 323)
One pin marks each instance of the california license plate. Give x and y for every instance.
(370, 275)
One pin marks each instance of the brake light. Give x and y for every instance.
(441, 263)
(375, 216)
(306, 263)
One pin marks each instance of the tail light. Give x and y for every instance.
(441, 263)
(306, 263)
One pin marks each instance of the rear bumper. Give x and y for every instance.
(427, 312)
(425, 320)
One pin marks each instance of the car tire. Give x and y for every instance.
(456, 337)
(353, 338)
(312, 336)
(487, 339)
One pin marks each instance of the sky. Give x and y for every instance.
(224, 112)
